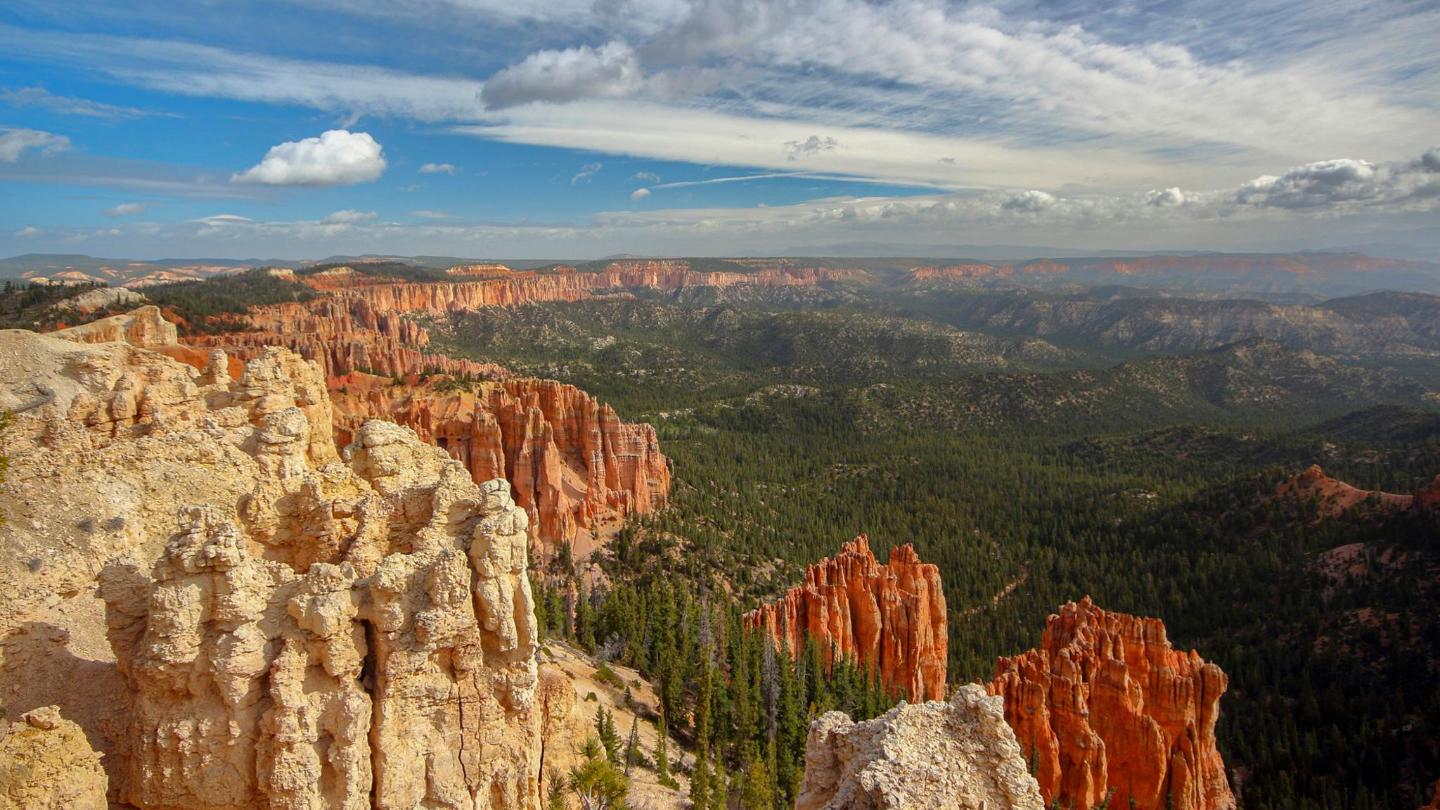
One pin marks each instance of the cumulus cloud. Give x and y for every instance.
(586, 172)
(1029, 202)
(438, 168)
(125, 210)
(565, 75)
(640, 194)
(14, 143)
(1171, 197)
(336, 157)
(813, 145)
(349, 216)
(28, 230)
(1346, 183)
(1313, 184)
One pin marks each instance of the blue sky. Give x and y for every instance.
(580, 128)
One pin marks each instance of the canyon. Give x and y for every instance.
(888, 618)
(573, 465)
(1107, 711)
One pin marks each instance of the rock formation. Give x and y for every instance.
(101, 298)
(46, 764)
(1105, 707)
(888, 616)
(958, 755)
(142, 327)
(317, 630)
(344, 335)
(575, 468)
(1334, 497)
(504, 287)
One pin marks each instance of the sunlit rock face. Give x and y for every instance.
(1106, 707)
(890, 617)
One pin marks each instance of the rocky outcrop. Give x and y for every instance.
(101, 298)
(890, 617)
(575, 468)
(142, 327)
(1107, 708)
(958, 755)
(46, 764)
(1334, 497)
(317, 630)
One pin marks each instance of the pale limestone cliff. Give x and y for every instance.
(289, 628)
(47, 764)
(958, 755)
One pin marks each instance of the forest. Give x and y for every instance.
(1145, 483)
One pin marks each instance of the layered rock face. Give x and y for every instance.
(317, 630)
(575, 468)
(344, 335)
(503, 287)
(1106, 707)
(958, 755)
(891, 617)
(46, 763)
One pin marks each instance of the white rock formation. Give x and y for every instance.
(958, 755)
(289, 628)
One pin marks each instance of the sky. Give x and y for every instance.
(583, 128)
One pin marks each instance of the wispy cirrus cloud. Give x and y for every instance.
(39, 98)
(16, 142)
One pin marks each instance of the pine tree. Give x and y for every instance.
(605, 732)
(758, 793)
(632, 747)
(662, 754)
(596, 783)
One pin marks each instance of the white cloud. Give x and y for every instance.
(349, 216)
(28, 230)
(565, 75)
(1029, 202)
(336, 157)
(640, 194)
(14, 143)
(1166, 197)
(586, 172)
(813, 145)
(39, 97)
(645, 177)
(430, 214)
(438, 168)
(125, 210)
(1345, 183)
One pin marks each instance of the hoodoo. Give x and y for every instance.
(1107, 708)
(890, 616)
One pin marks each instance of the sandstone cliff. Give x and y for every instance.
(311, 630)
(575, 468)
(504, 287)
(1105, 707)
(46, 764)
(344, 335)
(888, 616)
(958, 755)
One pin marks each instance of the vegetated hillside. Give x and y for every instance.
(1402, 325)
(1142, 483)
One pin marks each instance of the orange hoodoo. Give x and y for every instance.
(1106, 707)
(890, 617)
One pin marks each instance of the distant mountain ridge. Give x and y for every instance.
(1257, 274)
